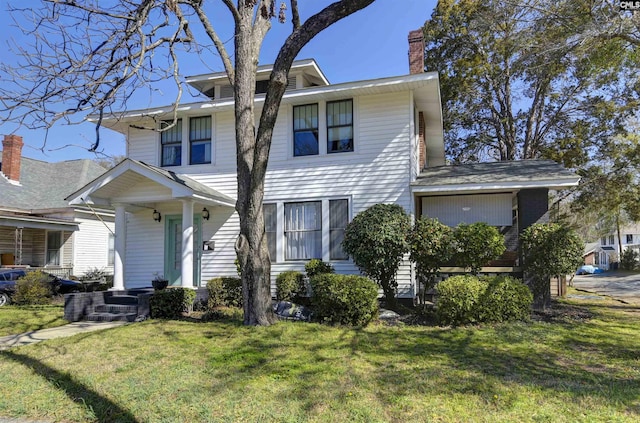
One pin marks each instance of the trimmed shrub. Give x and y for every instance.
(170, 303)
(376, 239)
(629, 259)
(225, 291)
(476, 245)
(431, 246)
(317, 267)
(458, 297)
(505, 299)
(549, 250)
(33, 289)
(290, 286)
(344, 299)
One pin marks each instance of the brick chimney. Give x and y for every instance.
(11, 152)
(416, 51)
(416, 65)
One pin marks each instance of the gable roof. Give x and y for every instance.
(44, 185)
(495, 176)
(128, 172)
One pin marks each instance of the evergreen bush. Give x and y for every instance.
(505, 299)
(629, 259)
(476, 245)
(33, 289)
(458, 298)
(290, 286)
(317, 267)
(344, 299)
(224, 291)
(170, 303)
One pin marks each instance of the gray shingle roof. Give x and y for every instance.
(45, 185)
(516, 172)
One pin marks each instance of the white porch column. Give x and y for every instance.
(120, 245)
(187, 244)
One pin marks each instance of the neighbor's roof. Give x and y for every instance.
(590, 247)
(495, 176)
(45, 185)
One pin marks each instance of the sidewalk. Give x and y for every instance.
(71, 329)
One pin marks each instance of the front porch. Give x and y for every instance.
(165, 223)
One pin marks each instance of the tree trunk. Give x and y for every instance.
(251, 245)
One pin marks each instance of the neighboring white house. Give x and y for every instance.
(337, 149)
(38, 228)
(608, 248)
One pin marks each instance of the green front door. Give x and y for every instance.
(173, 250)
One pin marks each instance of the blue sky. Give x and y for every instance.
(370, 44)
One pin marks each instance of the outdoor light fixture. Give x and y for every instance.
(205, 214)
(156, 215)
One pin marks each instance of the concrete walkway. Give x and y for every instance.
(71, 329)
(623, 286)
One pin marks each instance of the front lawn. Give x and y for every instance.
(19, 319)
(581, 364)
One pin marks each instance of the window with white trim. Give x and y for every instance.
(303, 230)
(603, 240)
(305, 130)
(339, 126)
(200, 140)
(171, 143)
(611, 240)
(270, 227)
(54, 248)
(338, 218)
(629, 238)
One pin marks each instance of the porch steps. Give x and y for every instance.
(114, 312)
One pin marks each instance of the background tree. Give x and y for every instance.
(476, 244)
(549, 250)
(90, 57)
(376, 239)
(532, 78)
(431, 246)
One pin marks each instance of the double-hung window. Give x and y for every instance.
(171, 143)
(629, 238)
(612, 240)
(338, 220)
(340, 126)
(303, 230)
(200, 140)
(270, 227)
(54, 248)
(305, 130)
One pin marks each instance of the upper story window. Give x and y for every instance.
(339, 126)
(629, 238)
(611, 240)
(603, 241)
(171, 143)
(200, 140)
(305, 130)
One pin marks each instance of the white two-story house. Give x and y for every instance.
(607, 250)
(337, 149)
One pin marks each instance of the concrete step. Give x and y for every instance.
(111, 317)
(116, 308)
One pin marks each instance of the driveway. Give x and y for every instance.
(624, 286)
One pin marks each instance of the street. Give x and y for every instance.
(621, 285)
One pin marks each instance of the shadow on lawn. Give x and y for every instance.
(104, 409)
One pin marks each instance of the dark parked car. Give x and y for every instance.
(9, 277)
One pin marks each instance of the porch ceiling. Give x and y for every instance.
(34, 222)
(133, 182)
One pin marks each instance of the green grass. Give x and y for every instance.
(20, 319)
(571, 370)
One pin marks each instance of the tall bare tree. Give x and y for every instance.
(89, 56)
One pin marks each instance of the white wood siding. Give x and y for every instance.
(91, 244)
(378, 171)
